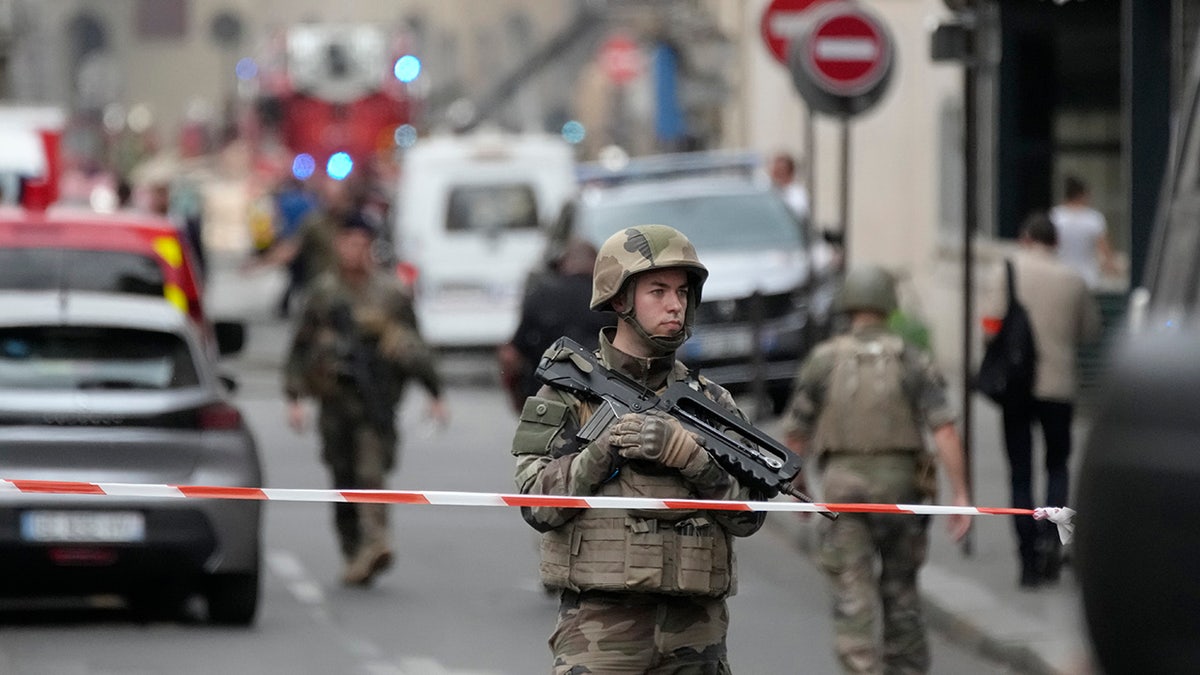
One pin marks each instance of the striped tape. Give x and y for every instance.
(440, 498)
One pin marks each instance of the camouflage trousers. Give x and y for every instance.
(640, 633)
(359, 457)
(872, 561)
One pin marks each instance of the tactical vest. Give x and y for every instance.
(670, 552)
(866, 408)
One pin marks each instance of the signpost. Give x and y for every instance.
(841, 61)
(781, 21)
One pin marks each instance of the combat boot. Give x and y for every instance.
(374, 555)
(370, 561)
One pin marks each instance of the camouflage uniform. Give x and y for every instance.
(860, 398)
(643, 591)
(359, 454)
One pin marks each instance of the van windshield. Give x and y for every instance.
(712, 222)
(492, 208)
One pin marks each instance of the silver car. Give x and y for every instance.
(119, 388)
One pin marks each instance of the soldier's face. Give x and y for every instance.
(660, 300)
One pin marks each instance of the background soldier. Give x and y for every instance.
(356, 344)
(859, 402)
(643, 591)
(555, 305)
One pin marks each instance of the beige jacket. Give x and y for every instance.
(1063, 312)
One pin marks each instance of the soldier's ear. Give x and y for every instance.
(623, 300)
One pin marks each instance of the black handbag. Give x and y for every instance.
(1009, 363)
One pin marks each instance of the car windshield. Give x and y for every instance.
(31, 269)
(491, 208)
(719, 222)
(84, 357)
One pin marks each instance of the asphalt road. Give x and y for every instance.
(462, 598)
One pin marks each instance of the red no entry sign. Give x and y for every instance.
(849, 51)
(621, 59)
(841, 58)
(781, 21)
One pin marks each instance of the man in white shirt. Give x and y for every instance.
(1082, 233)
(783, 176)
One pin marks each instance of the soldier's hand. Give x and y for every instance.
(656, 437)
(297, 415)
(439, 413)
(959, 524)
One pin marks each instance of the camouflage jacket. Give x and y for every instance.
(383, 317)
(547, 451)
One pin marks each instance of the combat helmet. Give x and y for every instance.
(641, 249)
(867, 288)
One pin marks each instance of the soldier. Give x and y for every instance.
(642, 591)
(858, 405)
(356, 344)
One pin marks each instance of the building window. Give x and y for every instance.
(161, 19)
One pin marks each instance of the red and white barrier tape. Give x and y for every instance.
(1060, 516)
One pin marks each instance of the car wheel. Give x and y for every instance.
(232, 598)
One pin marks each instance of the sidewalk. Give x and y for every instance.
(974, 600)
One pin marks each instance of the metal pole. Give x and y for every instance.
(970, 224)
(845, 197)
(810, 169)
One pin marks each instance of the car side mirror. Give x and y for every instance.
(231, 336)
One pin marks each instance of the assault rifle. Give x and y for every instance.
(359, 362)
(754, 458)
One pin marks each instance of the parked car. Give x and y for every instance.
(759, 257)
(102, 387)
(123, 252)
(470, 222)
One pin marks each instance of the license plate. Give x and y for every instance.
(83, 526)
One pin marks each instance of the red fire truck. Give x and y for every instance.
(333, 95)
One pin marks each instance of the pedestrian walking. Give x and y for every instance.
(1083, 242)
(1063, 315)
(355, 347)
(555, 305)
(642, 591)
(293, 204)
(861, 403)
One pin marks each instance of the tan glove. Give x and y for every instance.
(656, 437)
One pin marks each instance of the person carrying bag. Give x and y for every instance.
(1009, 363)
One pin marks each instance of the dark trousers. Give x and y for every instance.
(1054, 417)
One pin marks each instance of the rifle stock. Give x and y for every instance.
(754, 458)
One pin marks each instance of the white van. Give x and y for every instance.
(470, 223)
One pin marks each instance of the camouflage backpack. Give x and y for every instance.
(867, 408)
